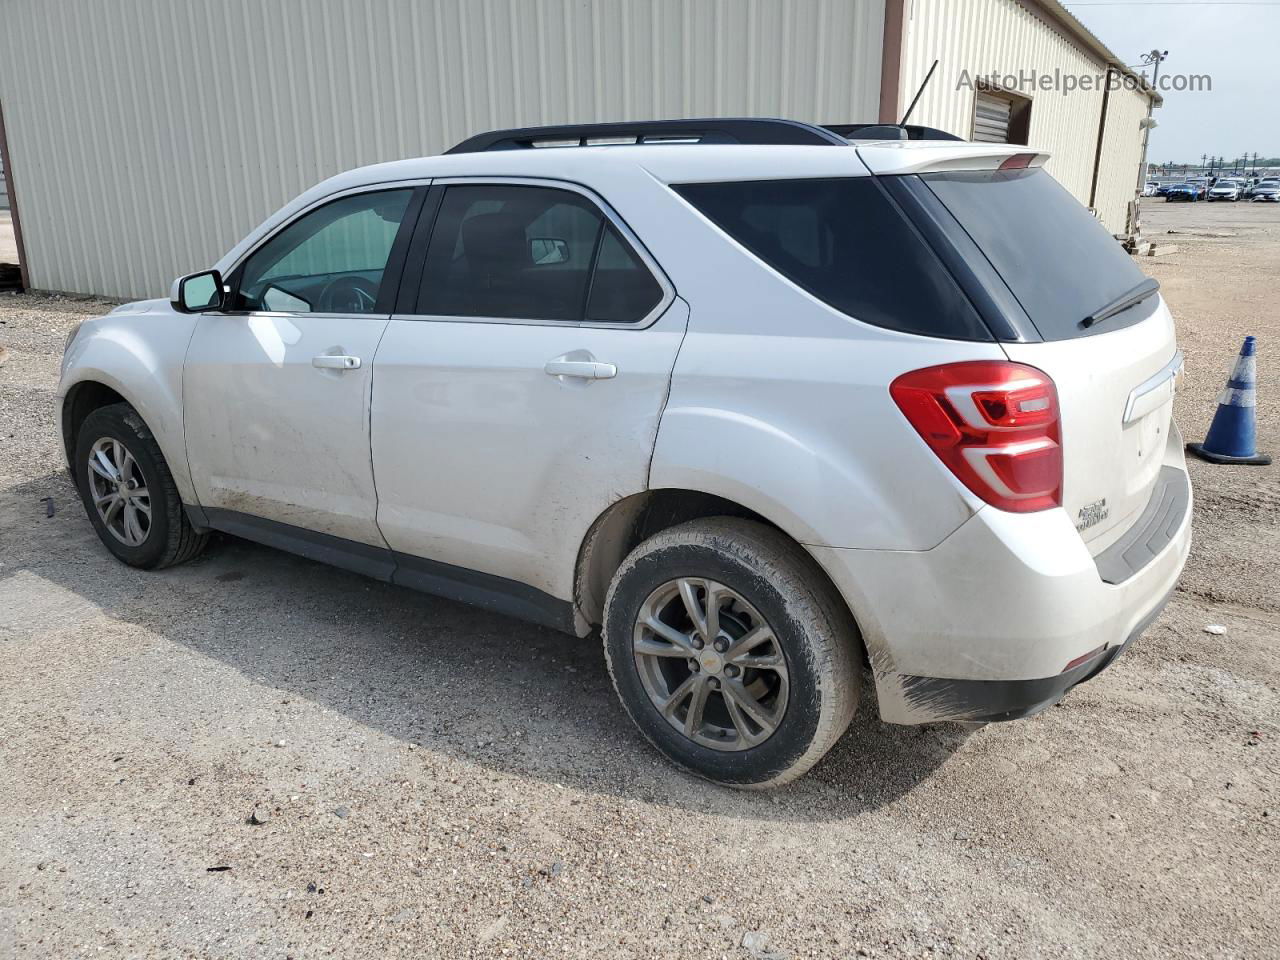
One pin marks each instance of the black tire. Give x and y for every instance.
(814, 629)
(170, 538)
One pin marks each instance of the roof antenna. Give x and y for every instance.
(916, 99)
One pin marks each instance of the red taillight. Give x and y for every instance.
(994, 424)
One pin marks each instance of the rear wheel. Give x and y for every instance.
(129, 493)
(731, 652)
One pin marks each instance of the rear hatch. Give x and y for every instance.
(1058, 269)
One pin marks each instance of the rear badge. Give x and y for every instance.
(1092, 513)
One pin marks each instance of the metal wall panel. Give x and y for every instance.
(1118, 181)
(148, 136)
(1004, 37)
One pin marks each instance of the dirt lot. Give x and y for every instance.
(437, 781)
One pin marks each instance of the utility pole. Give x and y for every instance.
(1153, 58)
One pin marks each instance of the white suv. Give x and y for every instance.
(765, 406)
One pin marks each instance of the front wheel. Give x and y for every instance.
(129, 492)
(731, 652)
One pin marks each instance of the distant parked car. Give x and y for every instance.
(1150, 189)
(1226, 190)
(1202, 186)
(1182, 191)
(1268, 191)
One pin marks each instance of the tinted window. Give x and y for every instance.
(1059, 261)
(329, 261)
(845, 242)
(622, 290)
(529, 253)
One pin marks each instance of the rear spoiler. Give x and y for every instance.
(935, 157)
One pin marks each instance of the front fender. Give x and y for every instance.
(139, 354)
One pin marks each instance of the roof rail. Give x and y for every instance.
(888, 131)
(740, 130)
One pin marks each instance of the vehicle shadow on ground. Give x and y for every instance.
(476, 686)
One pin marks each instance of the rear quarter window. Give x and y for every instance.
(847, 243)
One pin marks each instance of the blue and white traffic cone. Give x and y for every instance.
(1232, 437)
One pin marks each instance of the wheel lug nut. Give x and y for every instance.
(693, 665)
(722, 645)
(731, 670)
(713, 683)
(698, 643)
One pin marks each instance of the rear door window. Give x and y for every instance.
(1060, 262)
(503, 251)
(847, 243)
(622, 288)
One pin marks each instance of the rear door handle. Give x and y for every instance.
(581, 369)
(330, 362)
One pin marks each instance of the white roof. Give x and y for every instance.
(605, 168)
(680, 163)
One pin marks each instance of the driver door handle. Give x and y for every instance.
(330, 362)
(581, 369)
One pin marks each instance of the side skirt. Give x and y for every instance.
(497, 594)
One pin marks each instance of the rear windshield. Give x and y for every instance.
(848, 244)
(1059, 261)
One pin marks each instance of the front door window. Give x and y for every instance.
(329, 261)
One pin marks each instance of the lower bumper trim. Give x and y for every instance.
(993, 701)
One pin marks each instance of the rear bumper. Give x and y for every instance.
(1007, 614)
(993, 701)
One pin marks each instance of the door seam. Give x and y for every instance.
(373, 473)
(666, 397)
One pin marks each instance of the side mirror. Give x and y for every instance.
(544, 251)
(198, 292)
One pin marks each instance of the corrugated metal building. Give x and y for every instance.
(146, 137)
(1095, 137)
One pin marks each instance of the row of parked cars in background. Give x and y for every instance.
(1221, 188)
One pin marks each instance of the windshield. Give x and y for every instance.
(1058, 261)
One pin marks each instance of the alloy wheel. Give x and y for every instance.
(711, 664)
(119, 492)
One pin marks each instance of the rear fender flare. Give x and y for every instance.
(818, 488)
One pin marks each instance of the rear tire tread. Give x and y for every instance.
(832, 636)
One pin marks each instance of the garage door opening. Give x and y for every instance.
(13, 271)
(1000, 117)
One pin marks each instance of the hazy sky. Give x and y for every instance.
(1236, 43)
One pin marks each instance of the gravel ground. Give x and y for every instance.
(438, 781)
